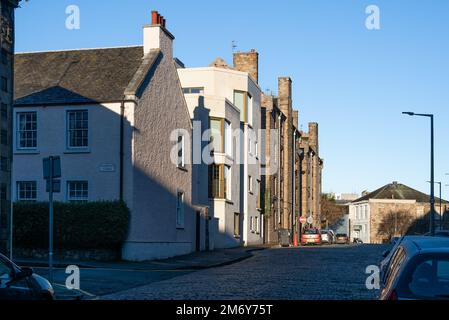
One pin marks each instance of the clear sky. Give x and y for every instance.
(352, 81)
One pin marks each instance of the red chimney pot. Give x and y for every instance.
(154, 17)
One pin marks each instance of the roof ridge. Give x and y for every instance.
(80, 49)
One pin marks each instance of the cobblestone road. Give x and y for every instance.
(324, 273)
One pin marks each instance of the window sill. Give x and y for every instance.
(77, 151)
(24, 151)
(180, 228)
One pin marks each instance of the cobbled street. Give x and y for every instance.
(312, 273)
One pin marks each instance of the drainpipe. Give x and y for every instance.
(279, 172)
(122, 153)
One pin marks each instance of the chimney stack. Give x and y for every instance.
(248, 62)
(156, 36)
(285, 95)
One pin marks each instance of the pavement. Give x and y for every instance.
(305, 273)
(103, 278)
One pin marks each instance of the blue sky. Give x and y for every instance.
(352, 81)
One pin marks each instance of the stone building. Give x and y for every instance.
(6, 96)
(115, 116)
(312, 167)
(294, 164)
(369, 214)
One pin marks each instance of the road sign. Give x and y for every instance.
(310, 220)
(56, 186)
(56, 167)
(302, 220)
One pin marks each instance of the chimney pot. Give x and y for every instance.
(154, 17)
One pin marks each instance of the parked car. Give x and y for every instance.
(440, 233)
(342, 238)
(418, 270)
(327, 237)
(357, 241)
(334, 237)
(311, 236)
(21, 283)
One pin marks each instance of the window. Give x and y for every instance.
(430, 278)
(219, 181)
(227, 181)
(249, 110)
(4, 84)
(181, 152)
(251, 224)
(4, 164)
(4, 56)
(4, 111)
(259, 196)
(4, 137)
(180, 211)
(217, 139)
(250, 184)
(256, 149)
(198, 90)
(221, 136)
(228, 138)
(77, 191)
(26, 130)
(77, 129)
(26, 191)
(250, 144)
(256, 225)
(236, 224)
(241, 101)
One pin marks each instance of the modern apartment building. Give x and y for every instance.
(114, 116)
(6, 101)
(228, 98)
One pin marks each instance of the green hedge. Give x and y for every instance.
(77, 226)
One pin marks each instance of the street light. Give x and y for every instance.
(432, 169)
(441, 205)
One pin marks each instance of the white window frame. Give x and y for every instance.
(228, 138)
(227, 174)
(77, 199)
(68, 130)
(250, 184)
(180, 207)
(181, 151)
(19, 131)
(18, 191)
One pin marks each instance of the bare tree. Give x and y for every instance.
(395, 223)
(330, 211)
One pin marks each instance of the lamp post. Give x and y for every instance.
(441, 205)
(432, 168)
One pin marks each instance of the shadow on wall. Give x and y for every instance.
(200, 174)
(154, 205)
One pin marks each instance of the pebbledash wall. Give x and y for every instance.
(153, 107)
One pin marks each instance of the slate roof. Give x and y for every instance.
(397, 191)
(78, 76)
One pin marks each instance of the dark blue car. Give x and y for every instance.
(21, 283)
